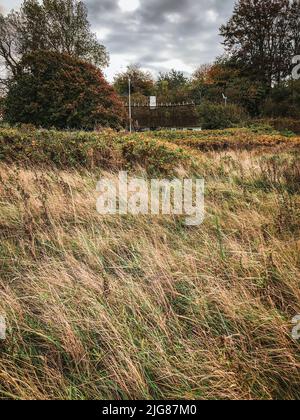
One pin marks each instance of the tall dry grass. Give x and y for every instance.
(146, 308)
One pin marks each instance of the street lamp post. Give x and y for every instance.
(129, 99)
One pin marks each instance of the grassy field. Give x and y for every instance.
(146, 308)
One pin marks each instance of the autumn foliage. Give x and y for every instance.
(56, 90)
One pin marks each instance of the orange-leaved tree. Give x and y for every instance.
(56, 90)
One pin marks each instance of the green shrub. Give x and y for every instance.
(262, 128)
(282, 124)
(155, 155)
(213, 116)
(106, 150)
(283, 101)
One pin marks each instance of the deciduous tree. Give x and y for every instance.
(56, 90)
(55, 25)
(142, 82)
(262, 36)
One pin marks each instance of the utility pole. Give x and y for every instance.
(129, 99)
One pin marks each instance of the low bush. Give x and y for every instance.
(283, 124)
(156, 156)
(107, 150)
(262, 128)
(255, 137)
(212, 116)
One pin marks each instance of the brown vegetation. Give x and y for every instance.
(136, 307)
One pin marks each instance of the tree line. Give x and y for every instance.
(261, 39)
(52, 57)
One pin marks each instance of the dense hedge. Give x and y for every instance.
(214, 116)
(107, 150)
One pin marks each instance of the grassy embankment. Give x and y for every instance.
(136, 307)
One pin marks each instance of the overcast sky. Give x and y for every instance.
(157, 34)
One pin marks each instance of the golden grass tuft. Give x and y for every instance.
(146, 308)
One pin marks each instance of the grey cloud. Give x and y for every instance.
(163, 30)
(160, 31)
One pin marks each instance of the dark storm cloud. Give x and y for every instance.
(158, 34)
